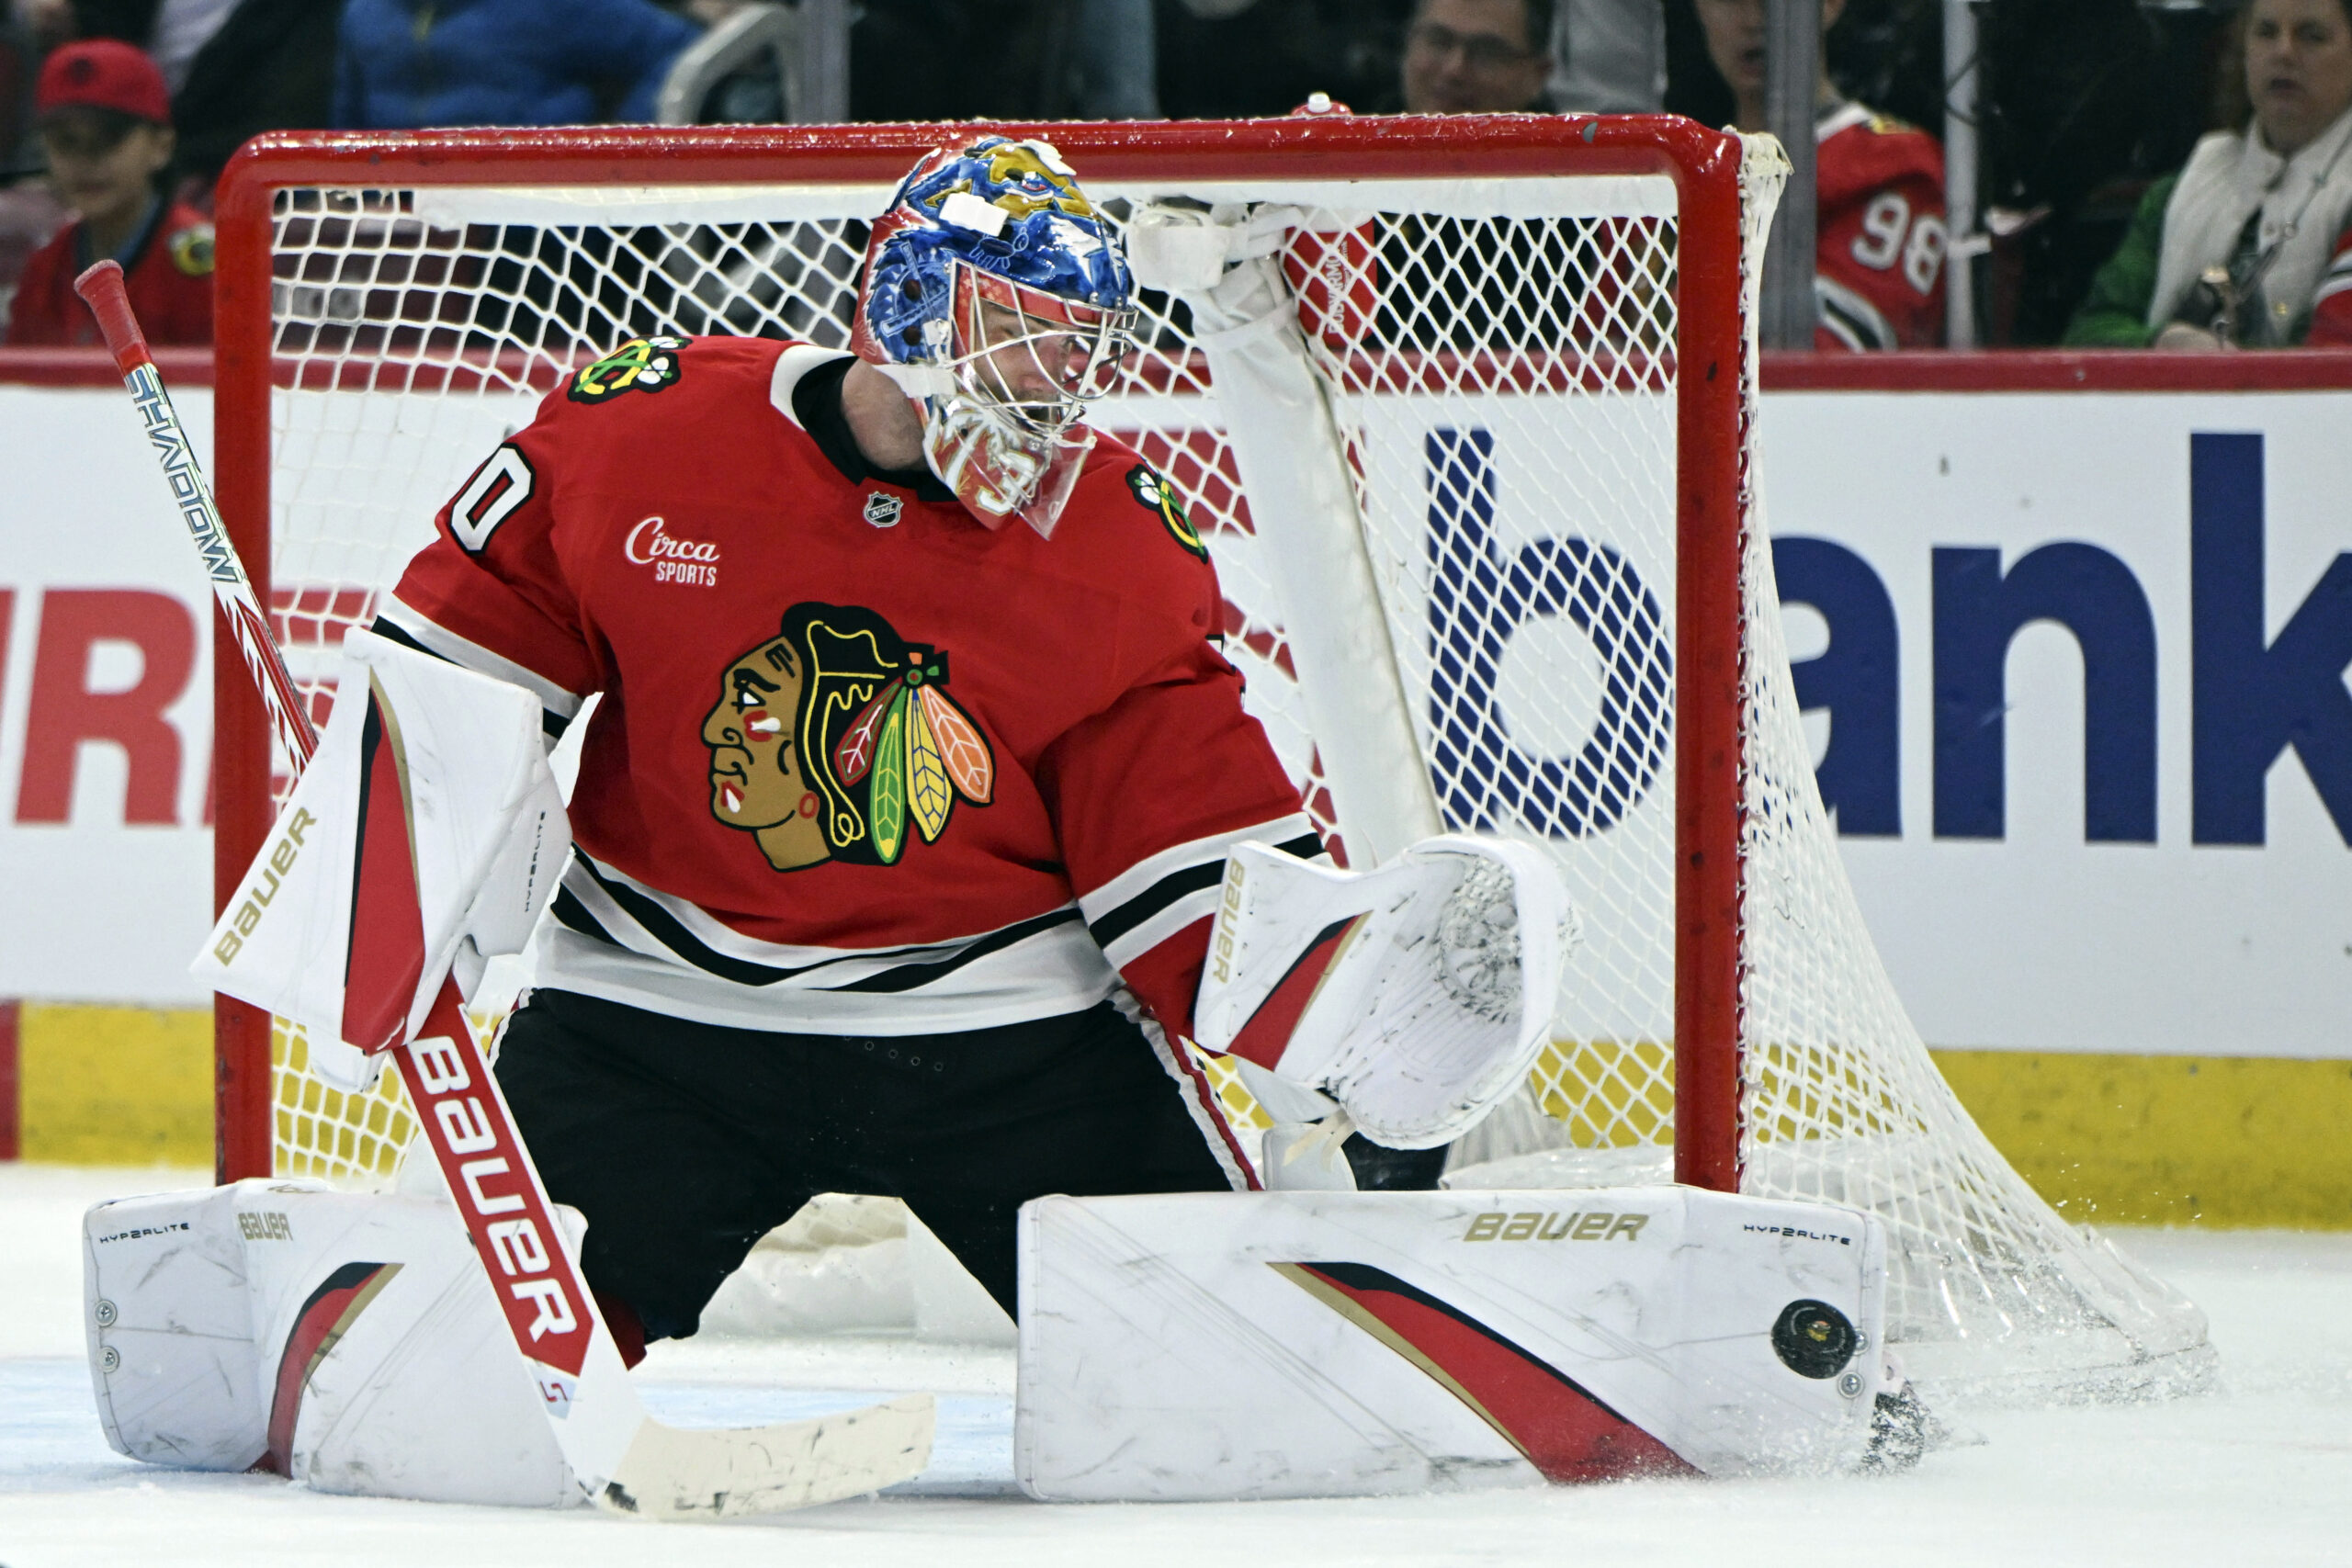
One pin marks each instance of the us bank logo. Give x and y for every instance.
(2255, 696)
(1482, 596)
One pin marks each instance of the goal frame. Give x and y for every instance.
(1714, 378)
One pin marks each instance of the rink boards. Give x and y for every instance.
(2115, 851)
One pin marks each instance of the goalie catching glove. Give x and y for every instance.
(1414, 998)
(428, 832)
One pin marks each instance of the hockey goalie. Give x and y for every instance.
(919, 830)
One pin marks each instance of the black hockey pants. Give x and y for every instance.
(684, 1143)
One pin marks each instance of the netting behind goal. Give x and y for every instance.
(1532, 381)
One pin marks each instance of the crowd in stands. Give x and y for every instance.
(2165, 173)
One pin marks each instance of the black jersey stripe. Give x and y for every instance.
(907, 976)
(1852, 317)
(572, 914)
(672, 932)
(1846, 325)
(1154, 898)
(1116, 923)
(392, 631)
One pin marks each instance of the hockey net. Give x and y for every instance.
(1501, 320)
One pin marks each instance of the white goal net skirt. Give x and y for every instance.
(1460, 492)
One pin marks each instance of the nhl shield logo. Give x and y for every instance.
(882, 509)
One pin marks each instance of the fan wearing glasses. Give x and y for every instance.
(1478, 56)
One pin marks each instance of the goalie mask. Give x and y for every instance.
(996, 298)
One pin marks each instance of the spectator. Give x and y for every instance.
(29, 213)
(1878, 192)
(236, 69)
(105, 123)
(418, 62)
(1476, 56)
(2251, 243)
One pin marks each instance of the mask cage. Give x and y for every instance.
(1078, 350)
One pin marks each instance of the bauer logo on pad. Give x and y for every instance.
(1571, 1227)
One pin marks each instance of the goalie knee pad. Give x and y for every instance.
(348, 1340)
(1330, 1344)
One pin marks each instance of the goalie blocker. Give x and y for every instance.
(427, 836)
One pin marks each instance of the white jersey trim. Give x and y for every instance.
(2335, 279)
(1160, 895)
(1851, 319)
(1845, 117)
(447, 644)
(611, 936)
(790, 365)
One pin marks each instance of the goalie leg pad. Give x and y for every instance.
(346, 1340)
(169, 1319)
(1328, 1343)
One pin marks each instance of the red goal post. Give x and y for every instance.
(1704, 166)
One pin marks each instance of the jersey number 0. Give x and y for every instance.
(490, 498)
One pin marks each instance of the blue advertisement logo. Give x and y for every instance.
(1480, 598)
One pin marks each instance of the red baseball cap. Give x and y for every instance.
(102, 74)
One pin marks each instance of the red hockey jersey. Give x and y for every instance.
(2332, 300)
(170, 286)
(862, 766)
(1879, 238)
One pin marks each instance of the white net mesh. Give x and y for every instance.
(1497, 357)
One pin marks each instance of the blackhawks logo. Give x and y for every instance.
(836, 739)
(643, 364)
(1154, 493)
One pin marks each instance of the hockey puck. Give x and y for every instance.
(1814, 1340)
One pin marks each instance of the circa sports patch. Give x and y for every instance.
(836, 739)
(640, 364)
(1153, 492)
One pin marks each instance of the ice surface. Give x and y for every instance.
(2258, 1472)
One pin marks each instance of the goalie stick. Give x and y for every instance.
(627, 1462)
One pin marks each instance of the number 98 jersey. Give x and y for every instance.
(1880, 239)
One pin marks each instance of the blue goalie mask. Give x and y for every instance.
(996, 294)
